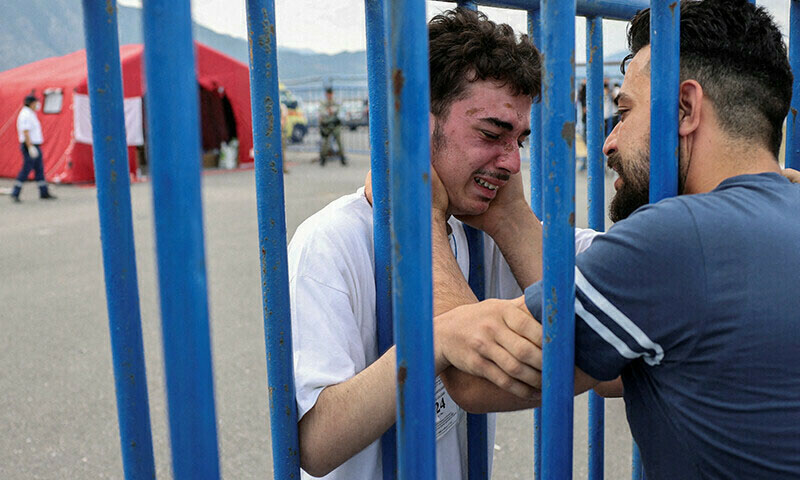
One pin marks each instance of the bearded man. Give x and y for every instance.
(692, 300)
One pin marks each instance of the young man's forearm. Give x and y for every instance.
(520, 242)
(478, 395)
(348, 417)
(450, 288)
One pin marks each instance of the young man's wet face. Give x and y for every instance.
(475, 148)
(628, 145)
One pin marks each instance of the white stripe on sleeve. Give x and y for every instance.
(604, 332)
(619, 318)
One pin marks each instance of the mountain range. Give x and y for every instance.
(31, 30)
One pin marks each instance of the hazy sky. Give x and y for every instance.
(333, 26)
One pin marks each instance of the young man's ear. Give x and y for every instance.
(690, 105)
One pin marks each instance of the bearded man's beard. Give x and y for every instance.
(635, 190)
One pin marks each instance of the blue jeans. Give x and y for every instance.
(35, 164)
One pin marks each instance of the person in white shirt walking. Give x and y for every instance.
(29, 132)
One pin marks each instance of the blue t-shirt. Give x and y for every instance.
(695, 302)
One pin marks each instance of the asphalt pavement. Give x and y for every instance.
(57, 406)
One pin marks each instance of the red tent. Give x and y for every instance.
(224, 99)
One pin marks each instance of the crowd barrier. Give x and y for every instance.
(397, 51)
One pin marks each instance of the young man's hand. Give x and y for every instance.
(792, 174)
(439, 200)
(495, 339)
(508, 205)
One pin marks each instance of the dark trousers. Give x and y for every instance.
(326, 149)
(35, 164)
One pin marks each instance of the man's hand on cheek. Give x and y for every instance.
(509, 202)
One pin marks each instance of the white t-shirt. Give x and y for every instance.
(332, 291)
(27, 120)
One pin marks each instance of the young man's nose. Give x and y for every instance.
(509, 160)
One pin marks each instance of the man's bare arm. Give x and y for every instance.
(492, 402)
(480, 396)
(610, 389)
(520, 243)
(451, 290)
(500, 347)
(349, 416)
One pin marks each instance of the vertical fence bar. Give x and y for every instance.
(377, 79)
(637, 473)
(477, 446)
(665, 60)
(558, 171)
(412, 302)
(477, 424)
(595, 134)
(536, 147)
(116, 231)
(792, 124)
(535, 142)
(174, 144)
(272, 236)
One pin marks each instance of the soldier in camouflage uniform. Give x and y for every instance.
(330, 125)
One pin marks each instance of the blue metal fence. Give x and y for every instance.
(410, 191)
(558, 244)
(596, 175)
(792, 122)
(116, 229)
(266, 115)
(398, 60)
(173, 110)
(381, 200)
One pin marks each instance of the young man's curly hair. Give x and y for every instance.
(736, 53)
(466, 47)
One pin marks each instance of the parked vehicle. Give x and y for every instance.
(355, 114)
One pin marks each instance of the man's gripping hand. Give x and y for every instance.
(498, 340)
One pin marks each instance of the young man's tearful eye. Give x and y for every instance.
(490, 135)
